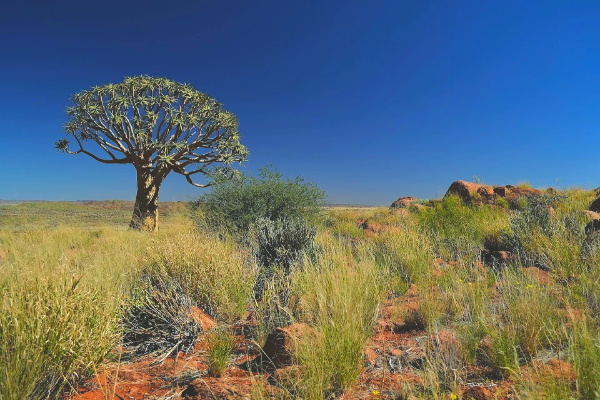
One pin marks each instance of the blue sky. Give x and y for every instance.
(369, 100)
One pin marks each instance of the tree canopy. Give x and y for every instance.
(157, 125)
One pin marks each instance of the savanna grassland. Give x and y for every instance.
(478, 298)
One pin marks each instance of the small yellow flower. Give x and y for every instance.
(375, 392)
(453, 396)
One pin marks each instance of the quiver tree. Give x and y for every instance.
(159, 127)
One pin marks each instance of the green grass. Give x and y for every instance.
(67, 270)
(340, 298)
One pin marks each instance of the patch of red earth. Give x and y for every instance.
(369, 227)
(238, 385)
(139, 379)
(536, 274)
(202, 319)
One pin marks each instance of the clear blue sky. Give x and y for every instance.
(371, 100)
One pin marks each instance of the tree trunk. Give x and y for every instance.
(145, 211)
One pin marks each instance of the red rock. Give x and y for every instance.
(592, 226)
(500, 191)
(202, 319)
(477, 393)
(403, 202)
(595, 206)
(560, 369)
(469, 191)
(517, 191)
(225, 389)
(396, 352)
(590, 215)
(370, 355)
(370, 226)
(288, 377)
(501, 256)
(542, 277)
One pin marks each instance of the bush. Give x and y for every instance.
(238, 203)
(280, 246)
(551, 242)
(282, 242)
(457, 230)
(157, 320)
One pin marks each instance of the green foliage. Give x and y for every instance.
(282, 242)
(50, 333)
(585, 349)
(216, 275)
(144, 113)
(280, 247)
(527, 320)
(405, 253)
(239, 203)
(220, 346)
(552, 242)
(457, 229)
(340, 294)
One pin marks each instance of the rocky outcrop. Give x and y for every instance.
(590, 215)
(404, 202)
(496, 256)
(470, 192)
(475, 193)
(592, 226)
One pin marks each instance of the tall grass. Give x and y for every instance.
(215, 273)
(59, 305)
(340, 295)
(457, 230)
(62, 292)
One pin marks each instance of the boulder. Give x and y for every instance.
(477, 393)
(499, 256)
(469, 191)
(500, 191)
(595, 206)
(403, 202)
(477, 193)
(517, 191)
(592, 226)
(590, 215)
(370, 226)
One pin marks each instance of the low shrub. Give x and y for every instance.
(551, 242)
(237, 204)
(157, 319)
(457, 230)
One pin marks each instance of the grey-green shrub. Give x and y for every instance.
(157, 318)
(237, 204)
